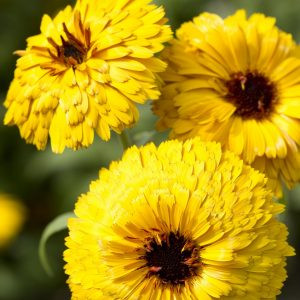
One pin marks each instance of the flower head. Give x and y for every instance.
(12, 215)
(85, 71)
(181, 221)
(236, 81)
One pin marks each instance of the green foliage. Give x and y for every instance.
(58, 224)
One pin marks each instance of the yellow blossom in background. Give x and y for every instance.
(181, 221)
(12, 215)
(86, 71)
(236, 81)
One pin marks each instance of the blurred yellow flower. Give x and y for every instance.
(181, 221)
(12, 215)
(85, 71)
(236, 81)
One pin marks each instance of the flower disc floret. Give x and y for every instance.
(181, 221)
(86, 71)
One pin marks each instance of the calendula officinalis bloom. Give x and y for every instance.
(236, 81)
(86, 71)
(181, 221)
(12, 216)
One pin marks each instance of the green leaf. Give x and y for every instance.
(58, 224)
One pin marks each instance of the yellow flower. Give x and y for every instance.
(85, 71)
(12, 215)
(236, 81)
(181, 221)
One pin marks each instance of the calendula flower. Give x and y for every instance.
(12, 216)
(236, 81)
(181, 221)
(85, 72)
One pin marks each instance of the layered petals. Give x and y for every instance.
(235, 81)
(86, 71)
(181, 206)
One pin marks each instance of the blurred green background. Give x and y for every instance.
(49, 184)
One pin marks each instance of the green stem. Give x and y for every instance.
(125, 140)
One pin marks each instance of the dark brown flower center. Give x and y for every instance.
(72, 51)
(173, 260)
(72, 54)
(252, 94)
